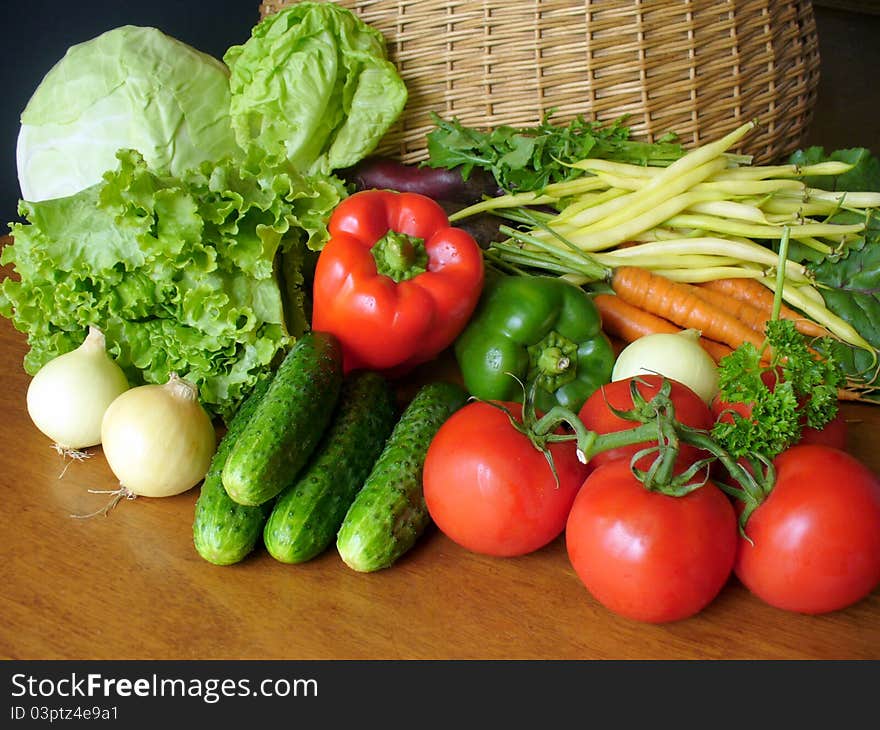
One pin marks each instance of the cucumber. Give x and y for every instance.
(225, 532)
(288, 422)
(308, 513)
(389, 513)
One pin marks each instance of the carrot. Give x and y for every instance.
(626, 322)
(716, 350)
(679, 304)
(759, 296)
(623, 320)
(744, 311)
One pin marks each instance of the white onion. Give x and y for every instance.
(67, 397)
(676, 356)
(157, 439)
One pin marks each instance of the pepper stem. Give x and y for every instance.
(552, 361)
(400, 256)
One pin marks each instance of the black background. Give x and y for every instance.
(38, 32)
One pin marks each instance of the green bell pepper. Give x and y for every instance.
(541, 330)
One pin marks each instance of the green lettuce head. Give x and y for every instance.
(313, 84)
(131, 87)
(202, 275)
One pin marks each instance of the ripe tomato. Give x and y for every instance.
(490, 490)
(597, 416)
(833, 434)
(721, 409)
(817, 535)
(646, 555)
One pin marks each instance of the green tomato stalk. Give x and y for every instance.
(656, 425)
(656, 421)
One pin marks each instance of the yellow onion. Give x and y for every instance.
(68, 396)
(677, 356)
(158, 439)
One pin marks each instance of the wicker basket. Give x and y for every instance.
(696, 67)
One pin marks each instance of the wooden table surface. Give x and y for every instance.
(130, 585)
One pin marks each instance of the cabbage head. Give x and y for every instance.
(129, 88)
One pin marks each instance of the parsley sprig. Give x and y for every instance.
(795, 387)
(530, 158)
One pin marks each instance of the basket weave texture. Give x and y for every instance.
(693, 67)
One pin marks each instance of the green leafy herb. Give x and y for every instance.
(530, 158)
(849, 279)
(796, 387)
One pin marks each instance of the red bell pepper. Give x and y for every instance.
(394, 282)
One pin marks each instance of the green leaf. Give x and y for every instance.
(530, 158)
(850, 280)
(313, 84)
(864, 176)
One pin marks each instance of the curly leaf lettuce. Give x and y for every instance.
(182, 274)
